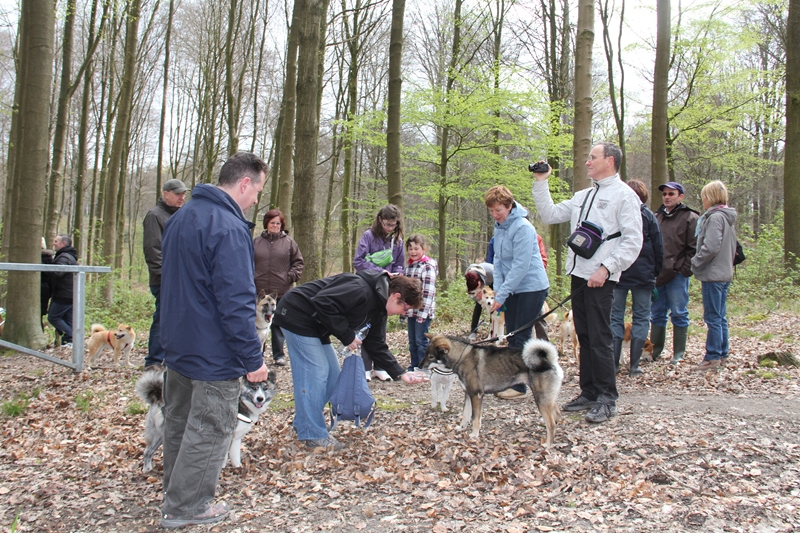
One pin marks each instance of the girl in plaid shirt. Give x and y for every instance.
(419, 320)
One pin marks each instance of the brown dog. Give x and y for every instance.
(647, 351)
(568, 332)
(120, 340)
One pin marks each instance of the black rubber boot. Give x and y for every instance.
(679, 336)
(637, 345)
(617, 353)
(658, 335)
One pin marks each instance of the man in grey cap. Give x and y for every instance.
(173, 197)
(677, 222)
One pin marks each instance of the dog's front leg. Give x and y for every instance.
(466, 415)
(235, 453)
(477, 411)
(434, 393)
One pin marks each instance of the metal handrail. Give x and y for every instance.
(78, 309)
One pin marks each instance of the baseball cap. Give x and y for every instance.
(176, 186)
(672, 185)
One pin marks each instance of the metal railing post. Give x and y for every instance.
(78, 318)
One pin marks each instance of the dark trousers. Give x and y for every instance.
(276, 340)
(591, 310)
(521, 309)
(60, 317)
(367, 358)
(155, 352)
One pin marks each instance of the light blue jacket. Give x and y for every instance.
(518, 264)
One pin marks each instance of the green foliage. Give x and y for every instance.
(385, 403)
(453, 306)
(133, 305)
(282, 401)
(137, 408)
(84, 400)
(15, 406)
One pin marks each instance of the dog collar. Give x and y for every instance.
(109, 339)
(243, 418)
(443, 372)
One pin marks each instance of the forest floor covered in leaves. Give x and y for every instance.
(688, 452)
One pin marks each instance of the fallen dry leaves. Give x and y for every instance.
(688, 452)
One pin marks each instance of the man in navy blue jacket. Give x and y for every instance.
(209, 336)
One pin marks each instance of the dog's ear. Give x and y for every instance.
(274, 294)
(261, 294)
(430, 335)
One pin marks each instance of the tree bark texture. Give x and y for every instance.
(304, 202)
(582, 140)
(288, 113)
(658, 133)
(393, 161)
(37, 31)
(791, 162)
(165, 87)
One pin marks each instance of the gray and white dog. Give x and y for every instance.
(489, 369)
(254, 399)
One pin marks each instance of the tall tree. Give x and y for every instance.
(658, 133)
(37, 30)
(165, 85)
(118, 148)
(791, 162)
(582, 140)
(288, 113)
(393, 112)
(617, 103)
(304, 203)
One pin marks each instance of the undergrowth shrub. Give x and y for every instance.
(133, 305)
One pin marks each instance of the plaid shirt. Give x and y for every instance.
(425, 270)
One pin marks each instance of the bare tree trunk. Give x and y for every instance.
(582, 141)
(617, 104)
(791, 163)
(658, 133)
(304, 205)
(288, 114)
(113, 181)
(163, 121)
(393, 162)
(37, 30)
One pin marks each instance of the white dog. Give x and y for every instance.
(442, 380)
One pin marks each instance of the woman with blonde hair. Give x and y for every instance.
(713, 266)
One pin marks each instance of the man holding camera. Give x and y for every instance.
(595, 266)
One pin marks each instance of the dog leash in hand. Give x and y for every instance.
(537, 319)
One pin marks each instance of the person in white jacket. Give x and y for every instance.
(612, 205)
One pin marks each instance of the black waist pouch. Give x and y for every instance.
(586, 239)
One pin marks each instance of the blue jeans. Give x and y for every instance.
(417, 341)
(315, 369)
(640, 309)
(199, 419)
(673, 298)
(155, 352)
(60, 316)
(715, 298)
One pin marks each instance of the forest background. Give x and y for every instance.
(355, 104)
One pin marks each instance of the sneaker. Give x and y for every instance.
(280, 360)
(708, 366)
(214, 513)
(329, 443)
(381, 375)
(67, 345)
(579, 403)
(601, 412)
(511, 394)
(635, 371)
(368, 373)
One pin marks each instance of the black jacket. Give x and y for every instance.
(338, 306)
(643, 272)
(62, 281)
(154, 222)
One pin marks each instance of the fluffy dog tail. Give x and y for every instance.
(97, 327)
(149, 387)
(539, 354)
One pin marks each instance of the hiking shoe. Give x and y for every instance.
(329, 443)
(382, 375)
(214, 513)
(67, 345)
(579, 403)
(280, 360)
(511, 394)
(601, 412)
(635, 371)
(708, 366)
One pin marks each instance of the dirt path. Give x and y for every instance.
(688, 452)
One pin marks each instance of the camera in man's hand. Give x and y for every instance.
(539, 167)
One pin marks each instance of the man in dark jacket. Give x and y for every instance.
(678, 223)
(60, 312)
(208, 331)
(639, 279)
(174, 194)
(338, 306)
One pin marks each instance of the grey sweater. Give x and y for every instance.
(716, 245)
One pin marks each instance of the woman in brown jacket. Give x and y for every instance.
(278, 265)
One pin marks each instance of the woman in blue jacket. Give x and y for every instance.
(640, 280)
